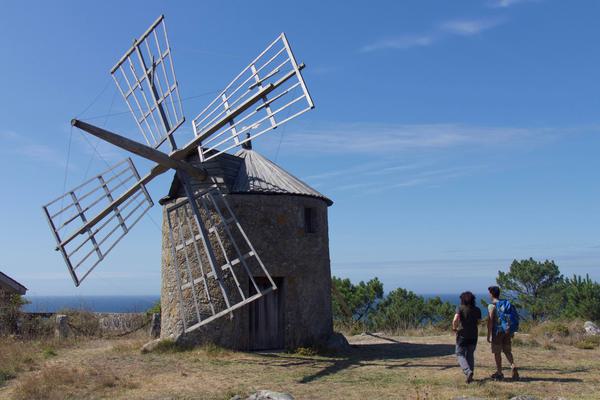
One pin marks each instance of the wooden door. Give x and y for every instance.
(266, 317)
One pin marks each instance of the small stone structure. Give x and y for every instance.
(8, 287)
(286, 221)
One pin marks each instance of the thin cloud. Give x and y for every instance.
(460, 27)
(372, 138)
(469, 27)
(507, 3)
(400, 42)
(22, 145)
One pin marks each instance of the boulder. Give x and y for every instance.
(524, 397)
(61, 328)
(266, 395)
(155, 326)
(150, 346)
(591, 328)
(337, 343)
(468, 398)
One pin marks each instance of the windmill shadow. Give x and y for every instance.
(362, 354)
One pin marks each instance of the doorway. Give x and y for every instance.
(266, 317)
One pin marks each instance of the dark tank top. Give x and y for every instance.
(469, 318)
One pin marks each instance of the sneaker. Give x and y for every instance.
(470, 378)
(497, 376)
(515, 374)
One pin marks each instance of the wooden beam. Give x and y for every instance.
(141, 149)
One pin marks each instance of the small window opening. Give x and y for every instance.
(310, 220)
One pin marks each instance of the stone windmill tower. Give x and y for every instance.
(228, 218)
(287, 221)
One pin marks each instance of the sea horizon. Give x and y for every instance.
(139, 303)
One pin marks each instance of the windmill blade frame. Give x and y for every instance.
(84, 249)
(145, 77)
(274, 78)
(190, 249)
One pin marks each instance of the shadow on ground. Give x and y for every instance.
(369, 353)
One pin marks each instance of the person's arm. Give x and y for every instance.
(490, 324)
(455, 322)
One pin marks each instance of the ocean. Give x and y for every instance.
(140, 303)
(91, 303)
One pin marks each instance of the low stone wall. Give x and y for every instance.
(101, 324)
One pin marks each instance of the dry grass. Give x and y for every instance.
(377, 367)
(59, 382)
(17, 356)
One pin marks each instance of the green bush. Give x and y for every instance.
(10, 312)
(587, 344)
(155, 309)
(354, 303)
(82, 322)
(582, 298)
(403, 310)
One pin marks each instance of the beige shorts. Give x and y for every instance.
(502, 343)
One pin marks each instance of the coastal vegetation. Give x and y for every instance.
(537, 288)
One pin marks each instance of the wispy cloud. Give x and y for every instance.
(382, 146)
(507, 3)
(461, 27)
(469, 27)
(400, 42)
(376, 138)
(22, 145)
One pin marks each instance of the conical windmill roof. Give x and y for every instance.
(249, 172)
(257, 174)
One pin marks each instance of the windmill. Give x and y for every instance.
(90, 220)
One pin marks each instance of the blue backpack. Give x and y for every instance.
(507, 317)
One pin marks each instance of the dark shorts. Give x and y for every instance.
(502, 343)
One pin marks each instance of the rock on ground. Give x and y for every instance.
(591, 328)
(337, 342)
(468, 398)
(524, 397)
(266, 395)
(150, 346)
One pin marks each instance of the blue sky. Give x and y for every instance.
(452, 136)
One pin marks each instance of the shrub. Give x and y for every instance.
(155, 309)
(10, 313)
(354, 303)
(582, 298)
(83, 323)
(403, 310)
(552, 329)
(587, 344)
(36, 327)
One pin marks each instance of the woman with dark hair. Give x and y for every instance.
(466, 320)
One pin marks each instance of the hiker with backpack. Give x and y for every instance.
(466, 319)
(503, 322)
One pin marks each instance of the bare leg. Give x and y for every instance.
(498, 359)
(510, 359)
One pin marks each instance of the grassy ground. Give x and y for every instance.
(378, 366)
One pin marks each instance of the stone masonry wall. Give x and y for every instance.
(275, 226)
